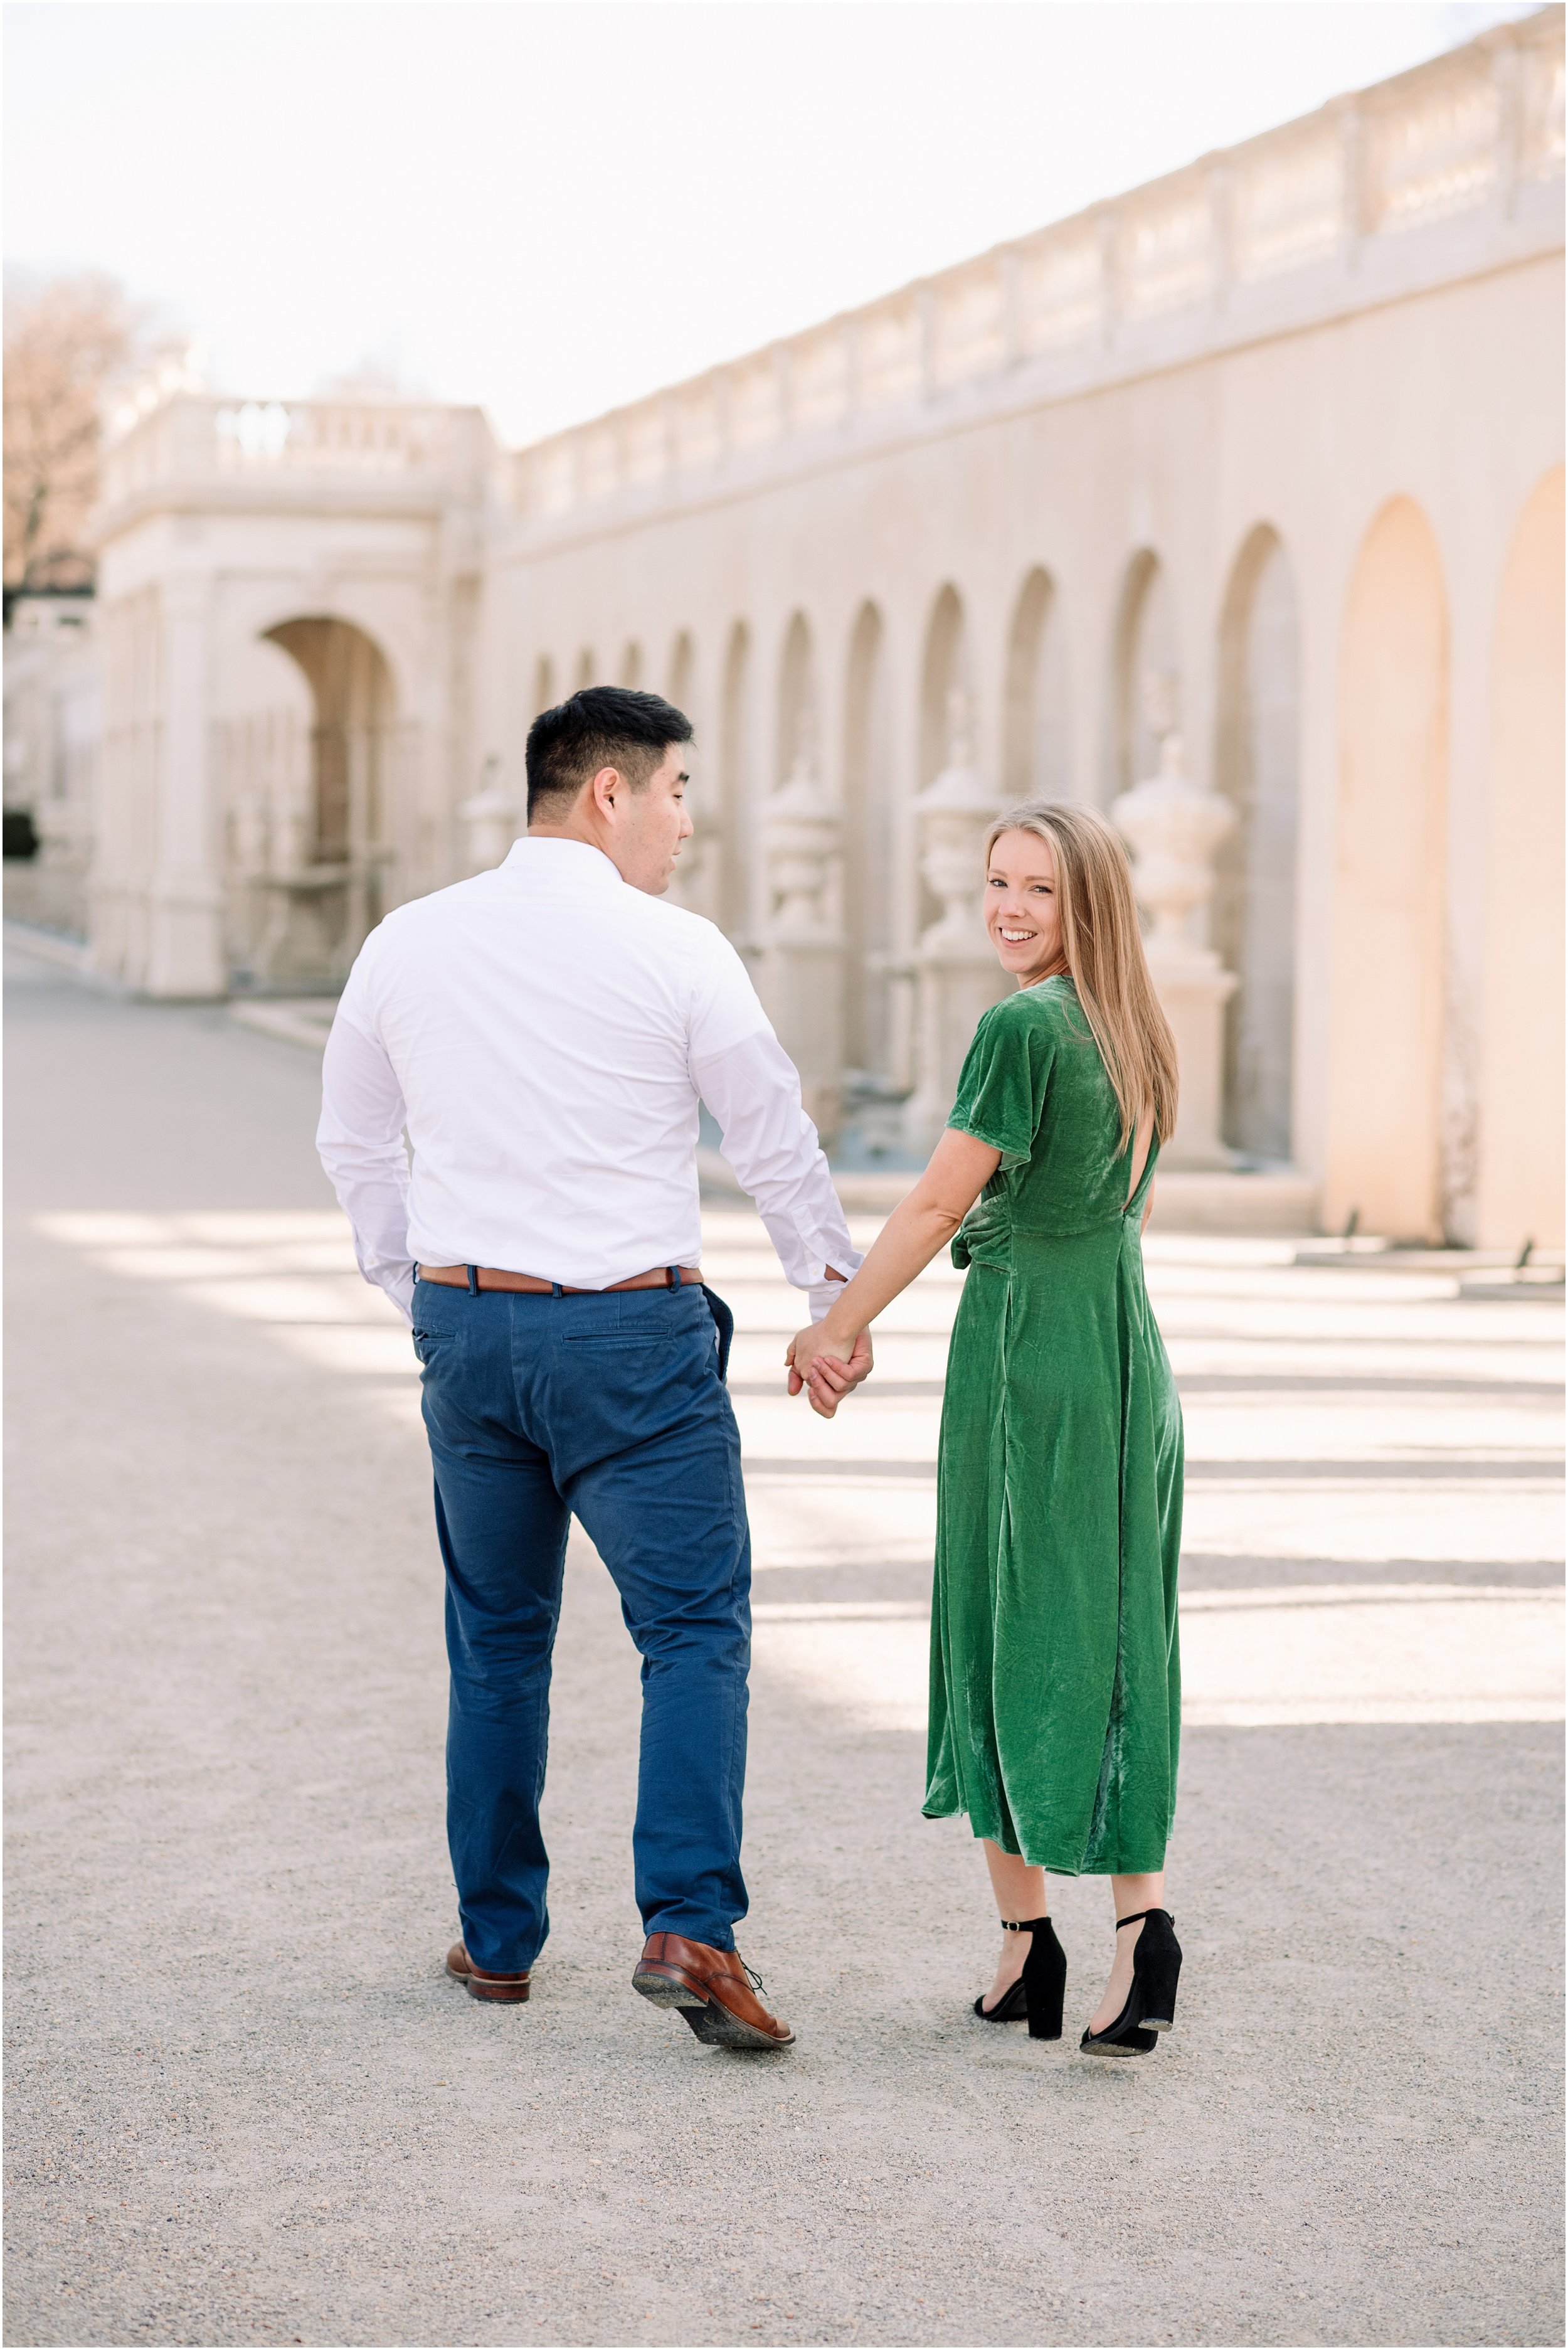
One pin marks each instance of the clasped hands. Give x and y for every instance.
(827, 1366)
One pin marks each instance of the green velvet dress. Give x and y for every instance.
(1055, 1689)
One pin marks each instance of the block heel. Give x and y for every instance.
(1151, 2004)
(1041, 1987)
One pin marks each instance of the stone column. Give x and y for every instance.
(957, 975)
(1174, 828)
(802, 973)
(184, 953)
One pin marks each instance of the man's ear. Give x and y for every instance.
(606, 784)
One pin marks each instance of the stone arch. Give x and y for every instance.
(1037, 747)
(696, 879)
(1145, 674)
(736, 825)
(683, 673)
(798, 743)
(1257, 766)
(947, 705)
(1520, 1171)
(1386, 1034)
(329, 886)
(878, 1011)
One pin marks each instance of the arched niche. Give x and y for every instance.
(544, 685)
(1145, 678)
(1519, 1158)
(1257, 766)
(736, 823)
(1037, 748)
(588, 667)
(946, 701)
(682, 673)
(696, 879)
(631, 664)
(877, 1042)
(797, 742)
(1386, 1033)
(328, 882)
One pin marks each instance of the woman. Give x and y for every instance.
(1054, 1686)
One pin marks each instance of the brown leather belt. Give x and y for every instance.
(486, 1276)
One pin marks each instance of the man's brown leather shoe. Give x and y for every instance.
(481, 1985)
(715, 1991)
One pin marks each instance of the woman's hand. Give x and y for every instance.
(834, 1355)
(827, 1365)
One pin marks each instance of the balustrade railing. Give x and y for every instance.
(192, 437)
(1470, 129)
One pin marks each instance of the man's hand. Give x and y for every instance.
(817, 1362)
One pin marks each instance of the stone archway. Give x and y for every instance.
(1145, 680)
(326, 881)
(1037, 748)
(1520, 1171)
(736, 814)
(1386, 1033)
(1257, 766)
(879, 1003)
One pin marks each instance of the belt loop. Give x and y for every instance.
(557, 1290)
(672, 1276)
(472, 1273)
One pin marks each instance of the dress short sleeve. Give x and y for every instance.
(1002, 1087)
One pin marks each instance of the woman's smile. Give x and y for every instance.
(1023, 913)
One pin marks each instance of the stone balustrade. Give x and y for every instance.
(1479, 132)
(194, 438)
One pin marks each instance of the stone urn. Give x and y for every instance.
(1173, 828)
(491, 819)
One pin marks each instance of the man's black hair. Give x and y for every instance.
(602, 726)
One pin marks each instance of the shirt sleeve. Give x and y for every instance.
(1002, 1087)
(752, 1088)
(360, 1139)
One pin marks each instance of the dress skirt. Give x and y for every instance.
(1055, 1683)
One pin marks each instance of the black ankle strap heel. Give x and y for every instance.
(1040, 1990)
(1151, 2004)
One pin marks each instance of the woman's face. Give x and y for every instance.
(1021, 909)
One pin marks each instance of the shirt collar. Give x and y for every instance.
(560, 861)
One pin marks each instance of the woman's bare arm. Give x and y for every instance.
(922, 1223)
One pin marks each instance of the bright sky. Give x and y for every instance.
(551, 206)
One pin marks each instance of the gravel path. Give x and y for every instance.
(246, 2106)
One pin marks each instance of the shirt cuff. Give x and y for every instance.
(824, 1293)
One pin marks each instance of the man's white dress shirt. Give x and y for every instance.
(545, 1033)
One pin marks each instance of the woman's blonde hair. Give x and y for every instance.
(1103, 947)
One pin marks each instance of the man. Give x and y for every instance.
(543, 1033)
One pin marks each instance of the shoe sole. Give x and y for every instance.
(507, 1998)
(713, 2023)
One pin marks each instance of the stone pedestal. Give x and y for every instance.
(801, 977)
(1174, 828)
(957, 974)
(491, 820)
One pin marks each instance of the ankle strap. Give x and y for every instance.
(1137, 1915)
(1022, 1924)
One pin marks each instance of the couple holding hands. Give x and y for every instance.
(543, 1035)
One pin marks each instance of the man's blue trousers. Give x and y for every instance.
(610, 1407)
